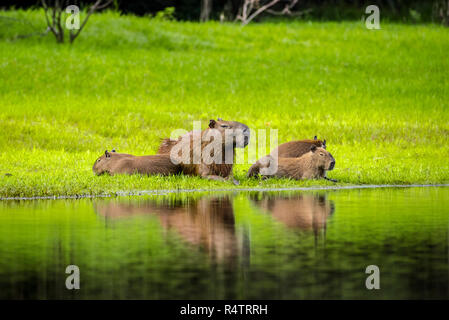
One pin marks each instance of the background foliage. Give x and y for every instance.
(378, 97)
(396, 10)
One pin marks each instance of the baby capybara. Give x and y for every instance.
(121, 163)
(312, 165)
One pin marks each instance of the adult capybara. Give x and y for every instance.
(195, 155)
(312, 165)
(121, 163)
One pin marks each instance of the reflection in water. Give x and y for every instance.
(209, 222)
(256, 245)
(306, 212)
(206, 222)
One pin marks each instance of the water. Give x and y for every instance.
(247, 245)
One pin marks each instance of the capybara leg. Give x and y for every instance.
(253, 170)
(231, 178)
(329, 179)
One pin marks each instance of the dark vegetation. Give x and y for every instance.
(412, 11)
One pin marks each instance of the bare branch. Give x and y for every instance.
(91, 10)
(206, 8)
(58, 7)
(252, 8)
(51, 25)
(286, 10)
(44, 4)
(104, 5)
(291, 13)
(259, 11)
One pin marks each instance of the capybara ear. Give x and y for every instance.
(212, 123)
(106, 153)
(313, 148)
(315, 138)
(324, 143)
(113, 150)
(220, 119)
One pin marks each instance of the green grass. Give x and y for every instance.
(380, 98)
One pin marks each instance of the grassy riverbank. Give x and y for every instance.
(380, 98)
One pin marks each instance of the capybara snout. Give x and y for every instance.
(103, 164)
(332, 165)
(238, 130)
(322, 158)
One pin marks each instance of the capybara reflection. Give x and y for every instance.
(207, 222)
(220, 167)
(312, 165)
(122, 163)
(304, 212)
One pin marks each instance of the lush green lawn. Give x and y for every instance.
(380, 98)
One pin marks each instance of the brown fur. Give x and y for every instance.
(295, 149)
(121, 163)
(312, 165)
(214, 171)
(167, 144)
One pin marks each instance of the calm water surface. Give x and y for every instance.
(247, 245)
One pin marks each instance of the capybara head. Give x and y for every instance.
(101, 163)
(322, 158)
(239, 131)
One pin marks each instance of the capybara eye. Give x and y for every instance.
(224, 126)
(321, 154)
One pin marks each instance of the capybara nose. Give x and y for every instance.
(332, 165)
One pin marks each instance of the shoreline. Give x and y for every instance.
(171, 191)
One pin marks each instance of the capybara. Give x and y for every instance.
(295, 149)
(198, 145)
(312, 165)
(121, 163)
